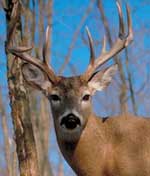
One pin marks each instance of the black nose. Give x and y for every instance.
(70, 121)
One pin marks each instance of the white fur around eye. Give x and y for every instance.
(85, 102)
(54, 102)
(86, 92)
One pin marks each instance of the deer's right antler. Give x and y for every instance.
(122, 42)
(21, 52)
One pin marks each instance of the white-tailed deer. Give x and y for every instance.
(116, 146)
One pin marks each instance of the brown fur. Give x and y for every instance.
(115, 146)
(118, 147)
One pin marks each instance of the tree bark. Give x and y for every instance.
(18, 93)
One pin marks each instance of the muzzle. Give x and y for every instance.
(70, 121)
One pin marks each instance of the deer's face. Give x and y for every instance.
(70, 98)
(70, 101)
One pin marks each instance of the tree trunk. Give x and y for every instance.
(19, 100)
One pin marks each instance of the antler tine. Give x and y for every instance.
(92, 53)
(45, 51)
(46, 45)
(130, 30)
(122, 42)
(121, 23)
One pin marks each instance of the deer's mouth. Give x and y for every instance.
(70, 122)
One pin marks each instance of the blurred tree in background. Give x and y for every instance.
(27, 141)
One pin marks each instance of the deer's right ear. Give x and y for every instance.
(35, 77)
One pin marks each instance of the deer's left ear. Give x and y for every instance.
(100, 80)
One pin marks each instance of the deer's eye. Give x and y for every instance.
(55, 98)
(86, 97)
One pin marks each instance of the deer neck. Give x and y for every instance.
(81, 153)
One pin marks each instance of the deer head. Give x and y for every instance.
(70, 98)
